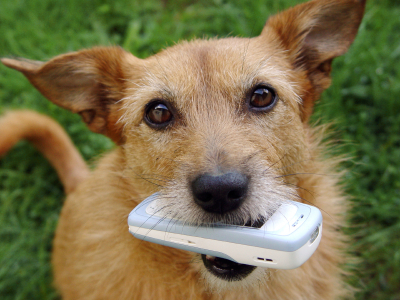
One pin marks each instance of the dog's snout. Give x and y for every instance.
(220, 193)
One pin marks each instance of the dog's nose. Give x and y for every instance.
(220, 193)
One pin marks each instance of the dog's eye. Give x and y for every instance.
(158, 114)
(263, 98)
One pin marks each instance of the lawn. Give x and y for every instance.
(363, 102)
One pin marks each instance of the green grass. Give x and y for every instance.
(364, 102)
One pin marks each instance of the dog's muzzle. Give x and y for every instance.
(220, 194)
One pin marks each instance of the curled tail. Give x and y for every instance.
(50, 139)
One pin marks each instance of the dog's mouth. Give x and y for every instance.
(226, 269)
(229, 270)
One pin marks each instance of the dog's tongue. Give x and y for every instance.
(221, 264)
(226, 269)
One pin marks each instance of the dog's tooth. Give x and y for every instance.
(211, 258)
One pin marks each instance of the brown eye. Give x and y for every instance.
(158, 114)
(263, 98)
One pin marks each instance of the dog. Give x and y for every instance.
(220, 129)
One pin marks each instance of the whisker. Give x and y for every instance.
(295, 185)
(294, 164)
(318, 174)
(279, 160)
(157, 211)
(148, 174)
(167, 158)
(156, 175)
(250, 157)
(305, 200)
(158, 222)
(182, 164)
(144, 178)
(151, 178)
(143, 202)
(172, 219)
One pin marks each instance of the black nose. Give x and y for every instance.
(220, 193)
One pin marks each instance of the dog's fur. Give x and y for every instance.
(206, 83)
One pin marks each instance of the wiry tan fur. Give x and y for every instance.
(207, 83)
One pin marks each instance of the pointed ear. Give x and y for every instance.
(88, 82)
(313, 34)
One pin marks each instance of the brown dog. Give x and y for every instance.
(220, 129)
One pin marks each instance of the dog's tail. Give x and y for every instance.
(50, 138)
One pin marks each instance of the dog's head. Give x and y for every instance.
(216, 126)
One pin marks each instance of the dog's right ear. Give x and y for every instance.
(88, 82)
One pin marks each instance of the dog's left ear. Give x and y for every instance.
(89, 82)
(313, 33)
